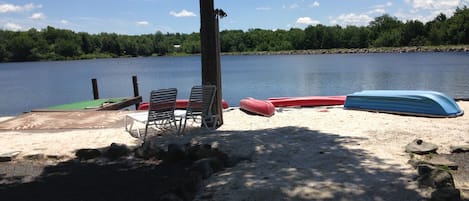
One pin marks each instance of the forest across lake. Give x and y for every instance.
(382, 34)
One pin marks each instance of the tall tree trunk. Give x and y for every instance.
(210, 50)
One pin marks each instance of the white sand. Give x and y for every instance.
(298, 154)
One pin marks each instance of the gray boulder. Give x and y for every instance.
(175, 153)
(116, 151)
(446, 194)
(6, 157)
(459, 149)
(150, 150)
(86, 154)
(430, 176)
(418, 146)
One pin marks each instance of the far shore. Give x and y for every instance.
(447, 48)
(409, 49)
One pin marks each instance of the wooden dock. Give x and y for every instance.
(94, 105)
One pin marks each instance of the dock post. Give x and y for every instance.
(94, 82)
(135, 84)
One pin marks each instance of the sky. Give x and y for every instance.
(136, 17)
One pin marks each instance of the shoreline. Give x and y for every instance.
(409, 49)
(371, 50)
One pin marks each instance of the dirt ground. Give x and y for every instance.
(90, 181)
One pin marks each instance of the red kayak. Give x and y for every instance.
(260, 107)
(307, 101)
(180, 104)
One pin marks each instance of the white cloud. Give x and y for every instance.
(427, 10)
(38, 16)
(64, 22)
(263, 8)
(352, 19)
(7, 8)
(183, 13)
(387, 4)
(314, 4)
(143, 23)
(306, 21)
(12, 26)
(433, 4)
(377, 10)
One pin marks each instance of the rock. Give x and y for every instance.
(204, 167)
(56, 157)
(6, 157)
(85, 154)
(442, 161)
(149, 150)
(430, 176)
(175, 153)
(415, 163)
(459, 149)
(198, 152)
(424, 169)
(420, 147)
(437, 161)
(37, 156)
(446, 194)
(116, 151)
(442, 179)
(207, 166)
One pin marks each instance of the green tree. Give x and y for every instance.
(297, 38)
(312, 37)
(192, 44)
(413, 33)
(331, 37)
(67, 48)
(110, 43)
(20, 47)
(458, 26)
(385, 31)
(87, 43)
(436, 30)
(232, 41)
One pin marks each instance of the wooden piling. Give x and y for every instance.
(94, 83)
(135, 85)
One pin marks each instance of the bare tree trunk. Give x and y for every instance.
(210, 49)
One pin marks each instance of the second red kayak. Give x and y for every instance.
(307, 101)
(260, 107)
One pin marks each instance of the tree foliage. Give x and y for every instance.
(384, 31)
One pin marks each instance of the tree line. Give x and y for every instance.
(384, 31)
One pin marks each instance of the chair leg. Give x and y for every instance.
(145, 134)
(184, 126)
(213, 120)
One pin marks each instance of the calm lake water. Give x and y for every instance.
(32, 85)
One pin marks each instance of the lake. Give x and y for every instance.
(31, 85)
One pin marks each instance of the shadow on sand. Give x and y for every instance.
(288, 163)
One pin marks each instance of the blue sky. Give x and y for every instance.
(182, 16)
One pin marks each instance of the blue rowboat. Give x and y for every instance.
(408, 102)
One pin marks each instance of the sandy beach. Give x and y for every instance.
(297, 154)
